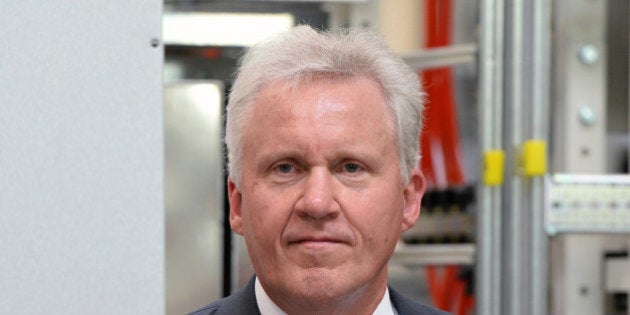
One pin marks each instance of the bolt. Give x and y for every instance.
(588, 54)
(587, 116)
(155, 42)
(584, 290)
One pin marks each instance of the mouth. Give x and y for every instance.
(319, 249)
(315, 240)
(312, 242)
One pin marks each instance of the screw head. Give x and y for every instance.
(588, 54)
(587, 116)
(584, 290)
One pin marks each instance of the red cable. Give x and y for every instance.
(450, 139)
(429, 133)
(441, 126)
(459, 291)
(435, 287)
(441, 85)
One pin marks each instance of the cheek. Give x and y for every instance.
(263, 213)
(377, 219)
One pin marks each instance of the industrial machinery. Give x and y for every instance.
(529, 211)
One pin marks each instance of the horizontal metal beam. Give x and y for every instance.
(422, 255)
(441, 57)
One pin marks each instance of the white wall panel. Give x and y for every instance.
(81, 158)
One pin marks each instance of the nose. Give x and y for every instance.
(317, 201)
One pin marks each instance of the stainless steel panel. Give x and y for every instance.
(194, 190)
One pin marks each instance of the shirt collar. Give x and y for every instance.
(265, 304)
(268, 307)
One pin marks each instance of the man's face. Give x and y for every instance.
(321, 203)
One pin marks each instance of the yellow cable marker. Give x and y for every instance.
(534, 159)
(494, 161)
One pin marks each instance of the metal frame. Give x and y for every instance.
(489, 265)
(454, 254)
(578, 83)
(587, 204)
(579, 86)
(514, 102)
(577, 259)
(578, 272)
(541, 11)
(527, 55)
(514, 278)
(441, 57)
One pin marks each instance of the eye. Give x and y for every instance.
(351, 168)
(285, 171)
(285, 168)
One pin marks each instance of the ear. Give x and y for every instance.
(235, 198)
(413, 198)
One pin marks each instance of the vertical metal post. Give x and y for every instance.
(541, 100)
(527, 84)
(526, 106)
(579, 86)
(488, 285)
(579, 130)
(514, 77)
(514, 278)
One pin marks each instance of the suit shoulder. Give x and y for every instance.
(242, 302)
(427, 310)
(405, 305)
(233, 304)
(210, 309)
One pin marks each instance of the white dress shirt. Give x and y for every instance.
(268, 307)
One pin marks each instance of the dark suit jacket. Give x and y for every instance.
(243, 302)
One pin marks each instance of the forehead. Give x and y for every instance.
(322, 95)
(320, 116)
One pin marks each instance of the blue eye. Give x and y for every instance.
(285, 168)
(351, 168)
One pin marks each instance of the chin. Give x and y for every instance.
(324, 284)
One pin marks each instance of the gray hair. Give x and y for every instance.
(302, 54)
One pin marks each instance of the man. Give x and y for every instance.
(322, 135)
